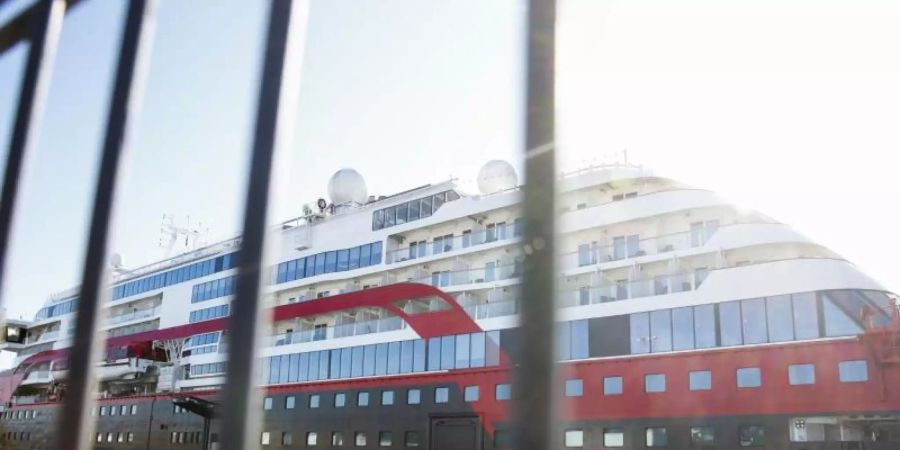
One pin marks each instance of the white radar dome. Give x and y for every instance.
(347, 185)
(495, 176)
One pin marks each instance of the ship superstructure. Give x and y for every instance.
(683, 321)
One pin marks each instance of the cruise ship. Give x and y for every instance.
(683, 321)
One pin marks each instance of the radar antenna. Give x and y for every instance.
(177, 239)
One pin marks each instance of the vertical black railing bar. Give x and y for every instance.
(534, 399)
(16, 29)
(75, 423)
(46, 23)
(276, 107)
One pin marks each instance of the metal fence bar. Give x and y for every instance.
(17, 29)
(274, 119)
(534, 372)
(76, 425)
(45, 23)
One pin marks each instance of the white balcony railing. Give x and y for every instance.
(437, 246)
(134, 315)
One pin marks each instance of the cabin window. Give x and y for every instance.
(385, 438)
(752, 436)
(503, 392)
(654, 383)
(613, 437)
(574, 388)
(853, 371)
(612, 386)
(703, 436)
(412, 439)
(471, 393)
(574, 439)
(441, 395)
(414, 396)
(387, 398)
(657, 437)
(700, 380)
(749, 377)
(802, 374)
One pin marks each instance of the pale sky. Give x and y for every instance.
(789, 107)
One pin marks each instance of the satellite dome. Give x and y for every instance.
(346, 186)
(495, 176)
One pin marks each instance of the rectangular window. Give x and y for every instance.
(853, 371)
(441, 395)
(448, 352)
(703, 436)
(387, 398)
(700, 380)
(414, 396)
(312, 438)
(753, 314)
(385, 438)
(267, 403)
(337, 439)
(584, 255)
(290, 402)
(780, 318)
(340, 400)
(502, 392)
(619, 248)
(802, 374)
(314, 400)
(660, 331)
(359, 439)
(730, 323)
(476, 353)
(640, 333)
(320, 263)
(331, 262)
(343, 260)
(657, 437)
(655, 382)
(705, 326)
(574, 439)
(613, 437)
(683, 328)
(265, 438)
(749, 377)
(806, 315)
(574, 388)
(287, 439)
(752, 436)
(390, 216)
(612, 386)
(462, 351)
(470, 394)
(362, 399)
(412, 439)
(354, 258)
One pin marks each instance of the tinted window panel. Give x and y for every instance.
(753, 313)
(780, 318)
(640, 333)
(806, 316)
(730, 323)
(683, 328)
